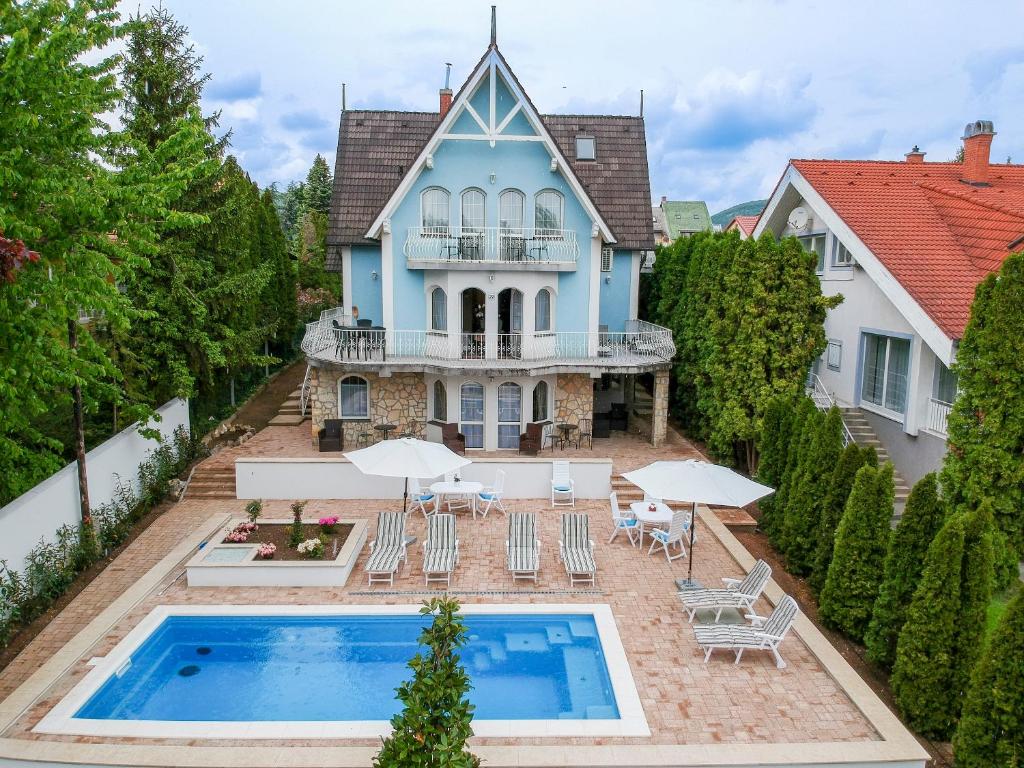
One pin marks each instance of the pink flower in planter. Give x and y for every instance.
(266, 551)
(237, 537)
(327, 523)
(246, 528)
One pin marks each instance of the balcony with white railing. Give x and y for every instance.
(641, 345)
(491, 248)
(938, 414)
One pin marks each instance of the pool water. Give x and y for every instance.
(338, 668)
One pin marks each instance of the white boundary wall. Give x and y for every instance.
(38, 513)
(337, 478)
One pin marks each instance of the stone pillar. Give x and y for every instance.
(659, 416)
(574, 398)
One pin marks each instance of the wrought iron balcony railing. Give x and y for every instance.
(492, 246)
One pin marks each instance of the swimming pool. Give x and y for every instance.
(331, 671)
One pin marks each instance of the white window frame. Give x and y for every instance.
(841, 256)
(545, 401)
(440, 409)
(808, 241)
(593, 148)
(834, 355)
(431, 228)
(870, 405)
(482, 204)
(517, 424)
(435, 316)
(483, 414)
(538, 326)
(354, 417)
(505, 196)
(545, 231)
(607, 258)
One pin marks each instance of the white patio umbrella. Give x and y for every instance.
(406, 457)
(697, 482)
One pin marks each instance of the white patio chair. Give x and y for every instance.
(420, 498)
(673, 536)
(576, 549)
(737, 593)
(762, 634)
(388, 550)
(623, 521)
(492, 495)
(455, 502)
(522, 549)
(440, 549)
(563, 490)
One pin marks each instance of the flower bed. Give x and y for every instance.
(278, 534)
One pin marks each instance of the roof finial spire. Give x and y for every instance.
(494, 25)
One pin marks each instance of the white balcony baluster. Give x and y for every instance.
(938, 415)
(491, 245)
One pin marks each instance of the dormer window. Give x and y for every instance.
(586, 148)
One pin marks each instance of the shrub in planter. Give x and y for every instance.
(254, 509)
(922, 518)
(435, 721)
(313, 549)
(295, 538)
(266, 551)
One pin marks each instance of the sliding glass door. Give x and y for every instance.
(885, 372)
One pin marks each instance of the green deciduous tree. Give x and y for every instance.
(805, 505)
(858, 560)
(432, 729)
(836, 494)
(991, 730)
(922, 518)
(986, 426)
(922, 677)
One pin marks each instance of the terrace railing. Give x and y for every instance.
(938, 416)
(492, 246)
(641, 343)
(823, 399)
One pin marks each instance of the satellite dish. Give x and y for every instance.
(798, 218)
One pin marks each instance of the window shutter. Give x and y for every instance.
(606, 259)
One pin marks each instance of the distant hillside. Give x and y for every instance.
(752, 208)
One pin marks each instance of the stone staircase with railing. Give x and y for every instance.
(290, 413)
(862, 433)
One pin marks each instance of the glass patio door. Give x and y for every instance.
(510, 415)
(885, 372)
(471, 412)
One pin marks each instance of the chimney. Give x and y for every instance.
(664, 199)
(446, 92)
(977, 143)
(915, 155)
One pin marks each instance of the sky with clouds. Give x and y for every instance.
(733, 88)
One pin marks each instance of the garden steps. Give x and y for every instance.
(212, 483)
(864, 434)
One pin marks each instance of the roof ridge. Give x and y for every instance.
(912, 166)
(966, 197)
(389, 112)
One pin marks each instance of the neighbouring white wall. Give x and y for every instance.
(38, 513)
(335, 478)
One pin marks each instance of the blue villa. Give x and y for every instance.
(491, 259)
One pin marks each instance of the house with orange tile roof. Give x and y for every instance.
(743, 224)
(906, 243)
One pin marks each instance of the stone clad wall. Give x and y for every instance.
(574, 398)
(397, 399)
(659, 414)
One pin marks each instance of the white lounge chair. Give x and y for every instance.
(563, 490)
(388, 550)
(492, 495)
(576, 549)
(762, 634)
(672, 536)
(440, 550)
(523, 547)
(737, 593)
(623, 521)
(420, 498)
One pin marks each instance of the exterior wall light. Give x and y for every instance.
(373, 275)
(493, 177)
(608, 279)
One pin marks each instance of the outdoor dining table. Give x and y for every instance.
(468, 488)
(386, 429)
(566, 436)
(660, 515)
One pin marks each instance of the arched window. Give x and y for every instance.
(471, 412)
(435, 210)
(547, 219)
(440, 401)
(510, 209)
(540, 401)
(510, 415)
(542, 310)
(438, 310)
(353, 398)
(474, 217)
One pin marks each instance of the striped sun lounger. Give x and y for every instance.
(523, 547)
(764, 634)
(577, 550)
(740, 594)
(440, 550)
(387, 551)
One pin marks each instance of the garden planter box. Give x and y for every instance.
(219, 564)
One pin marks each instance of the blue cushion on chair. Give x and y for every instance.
(660, 535)
(425, 496)
(486, 495)
(631, 523)
(563, 488)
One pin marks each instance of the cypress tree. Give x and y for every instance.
(804, 507)
(921, 520)
(922, 677)
(986, 425)
(805, 425)
(862, 539)
(975, 595)
(318, 186)
(840, 484)
(991, 730)
(280, 292)
(774, 442)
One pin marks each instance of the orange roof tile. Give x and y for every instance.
(938, 236)
(746, 224)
